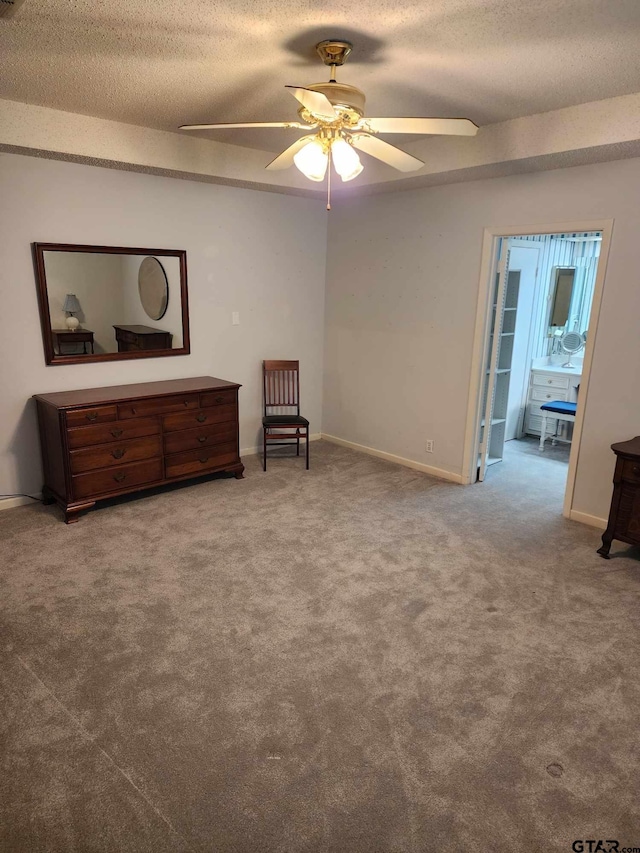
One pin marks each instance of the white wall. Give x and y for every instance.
(261, 254)
(402, 281)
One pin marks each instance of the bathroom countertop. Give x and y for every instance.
(556, 368)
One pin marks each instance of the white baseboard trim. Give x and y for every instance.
(591, 520)
(251, 451)
(399, 460)
(10, 503)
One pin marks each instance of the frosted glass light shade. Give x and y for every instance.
(312, 161)
(345, 159)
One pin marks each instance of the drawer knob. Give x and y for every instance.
(204, 459)
(116, 433)
(636, 470)
(119, 477)
(133, 411)
(202, 438)
(186, 402)
(92, 416)
(219, 399)
(118, 453)
(201, 418)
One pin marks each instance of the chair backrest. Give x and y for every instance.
(281, 386)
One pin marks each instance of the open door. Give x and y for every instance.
(492, 384)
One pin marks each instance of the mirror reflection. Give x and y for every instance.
(561, 296)
(111, 303)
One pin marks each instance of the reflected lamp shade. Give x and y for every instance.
(71, 306)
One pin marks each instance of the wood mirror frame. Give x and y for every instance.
(55, 358)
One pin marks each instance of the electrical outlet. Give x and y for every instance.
(429, 445)
(235, 318)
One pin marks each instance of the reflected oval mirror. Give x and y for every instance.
(153, 288)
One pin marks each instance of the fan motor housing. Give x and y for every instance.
(348, 100)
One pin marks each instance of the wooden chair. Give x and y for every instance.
(281, 395)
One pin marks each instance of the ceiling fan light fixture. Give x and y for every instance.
(345, 159)
(312, 160)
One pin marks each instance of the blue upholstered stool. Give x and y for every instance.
(561, 411)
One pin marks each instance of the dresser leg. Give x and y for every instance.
(239, 473)
(607, 539)
(47, 496)
(72, 513)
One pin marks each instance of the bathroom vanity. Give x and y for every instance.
(549, 382)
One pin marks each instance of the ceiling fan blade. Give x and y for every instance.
(315, 102)
(389, 154)
(284, 160)
(294, 124)
(445, 126)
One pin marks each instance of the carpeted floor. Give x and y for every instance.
(354, 659)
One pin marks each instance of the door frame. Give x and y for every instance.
(488, 266)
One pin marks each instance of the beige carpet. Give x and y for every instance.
(354, 659)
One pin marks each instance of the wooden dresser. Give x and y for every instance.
(104, 442)
(133, 338)
(624, 516)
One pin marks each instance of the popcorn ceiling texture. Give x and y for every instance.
(162, 65)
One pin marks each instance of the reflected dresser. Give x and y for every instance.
(624, 516)
(103, 442)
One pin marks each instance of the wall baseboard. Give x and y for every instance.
(591, 520)
(10, 503)
(441, 473)
(251, 451)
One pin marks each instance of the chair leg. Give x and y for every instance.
(297, 442)
(307, 448)
(264, 449)
(543, 433)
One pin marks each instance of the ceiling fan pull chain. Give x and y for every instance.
(329, 182)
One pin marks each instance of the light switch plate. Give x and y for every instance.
(235, 318)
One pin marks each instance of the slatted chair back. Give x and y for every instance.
(281, 387)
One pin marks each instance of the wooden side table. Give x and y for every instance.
(624, 516)
(75, 336)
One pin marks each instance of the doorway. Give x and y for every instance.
(540, 294)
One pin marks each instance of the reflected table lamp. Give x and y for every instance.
(71, 307)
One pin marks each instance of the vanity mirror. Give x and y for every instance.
(561, 294)
(108, 303)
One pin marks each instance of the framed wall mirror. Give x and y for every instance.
(109, 303)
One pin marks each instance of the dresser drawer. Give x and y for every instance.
(543, 396)
(550, 381)
(117, 453)
(631, 471)
(192, 439)
(219, 398)
(117, 478)
(189, 420)
(95, 415)
(200, 461)
(158, 405)
(103, 433)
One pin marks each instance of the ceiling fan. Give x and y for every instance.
(335, 113)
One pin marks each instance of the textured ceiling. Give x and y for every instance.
(192, 61)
